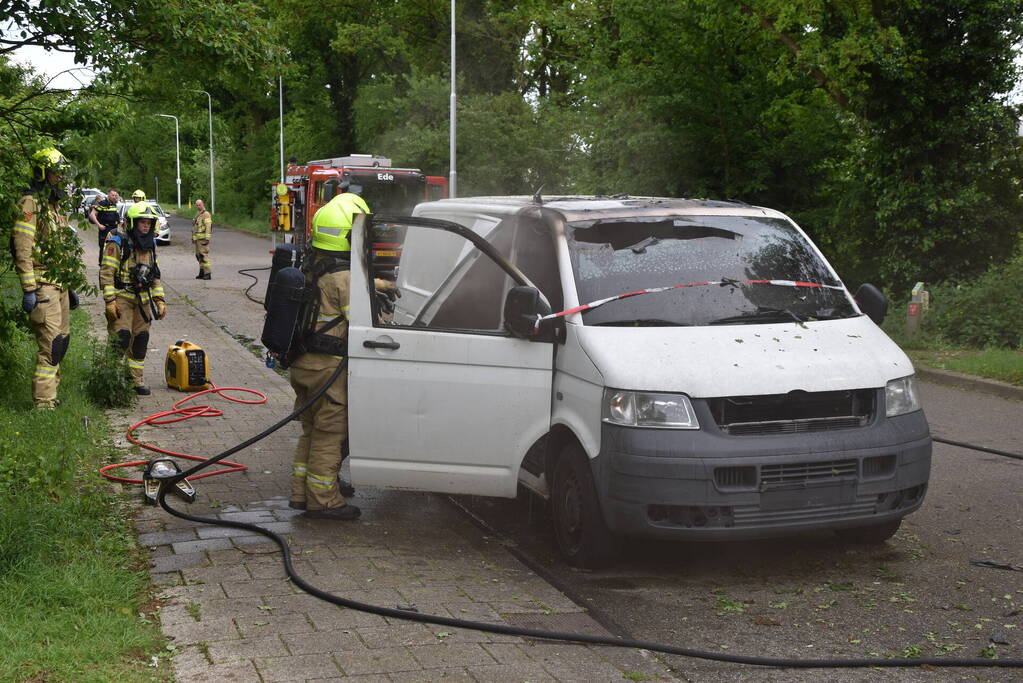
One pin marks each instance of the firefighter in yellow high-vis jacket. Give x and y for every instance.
(129, 279)
(46, 301)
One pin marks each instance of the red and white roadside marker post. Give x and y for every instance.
(919, 303)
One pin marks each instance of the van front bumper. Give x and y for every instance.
(707, 485)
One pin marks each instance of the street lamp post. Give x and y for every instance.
(156, 179)
(213, 196)
(280, 104)
(177, 154)
(453, 126)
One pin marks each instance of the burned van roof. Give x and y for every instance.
(574, 208)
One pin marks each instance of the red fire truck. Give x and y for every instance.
(385, 188)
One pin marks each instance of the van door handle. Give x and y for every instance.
(370, 344)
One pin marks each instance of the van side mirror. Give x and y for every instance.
(522, 305)
(872, 301)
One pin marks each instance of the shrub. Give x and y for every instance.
(108, 381)
(982, 313)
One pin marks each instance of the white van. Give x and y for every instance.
(738, 391)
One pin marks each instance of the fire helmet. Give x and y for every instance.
(333, 222)
(48, 159)
(138, 196)
(135, 212)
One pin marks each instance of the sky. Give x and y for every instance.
(53, 63)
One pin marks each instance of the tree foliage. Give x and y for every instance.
(882, 127)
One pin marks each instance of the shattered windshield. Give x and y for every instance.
(614, 256)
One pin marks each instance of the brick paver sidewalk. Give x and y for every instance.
(234, 616)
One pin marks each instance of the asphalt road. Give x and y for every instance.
(809, 596)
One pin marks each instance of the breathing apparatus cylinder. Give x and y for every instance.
(187, 367)
(285, 255)
(287, 301)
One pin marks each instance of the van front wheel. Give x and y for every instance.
(583, 537)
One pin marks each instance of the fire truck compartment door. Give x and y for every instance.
(449, 402)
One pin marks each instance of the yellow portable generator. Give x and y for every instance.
(187, 367)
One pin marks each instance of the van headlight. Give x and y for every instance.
(642, 409)
(901, 396)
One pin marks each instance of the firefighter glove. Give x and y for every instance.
(161, 309)
(387, 288)
(72, 298)
(112, 312)
(28, 301)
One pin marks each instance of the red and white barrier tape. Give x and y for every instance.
(650, 290)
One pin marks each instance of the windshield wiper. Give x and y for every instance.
(640, 247)
(642, 322)
(762, 314)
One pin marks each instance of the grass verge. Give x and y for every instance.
(75, 594)
(999, 364)
(930, 350)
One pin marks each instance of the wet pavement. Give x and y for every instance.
(229, 609)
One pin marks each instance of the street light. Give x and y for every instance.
(156, 179)
(213, 196)
(177, 154)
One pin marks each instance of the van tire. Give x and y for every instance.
(874, 534)
(583, 536)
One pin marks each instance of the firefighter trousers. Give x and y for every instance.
(51, 324)
(317, 459)
(130, 332)
(202, 255)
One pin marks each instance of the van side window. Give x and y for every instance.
(476, 298)
(446, 283)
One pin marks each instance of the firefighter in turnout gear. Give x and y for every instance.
(40, 227)
(317, 460)
(129, 279)
(202, 233)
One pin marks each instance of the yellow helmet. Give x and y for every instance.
(141, 210)
(332, 223)
(138, 196)
(48, 158)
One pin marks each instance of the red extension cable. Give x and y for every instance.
(178, 414)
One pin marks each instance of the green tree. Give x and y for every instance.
(930, 188)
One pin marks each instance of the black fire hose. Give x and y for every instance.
(282, 543)
(247, 272)
(982, 449)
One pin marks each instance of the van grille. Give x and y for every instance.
(796, 412)
(821, 424)
(798, 472)
(878, 466)
(742, 476)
